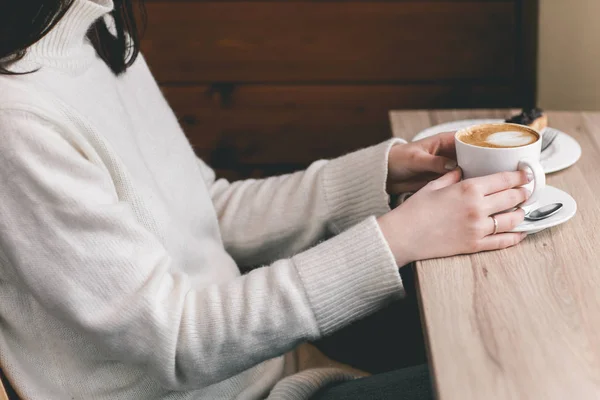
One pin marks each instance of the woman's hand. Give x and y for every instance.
(411, 166)
(449, 217)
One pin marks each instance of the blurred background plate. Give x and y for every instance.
(564, 151)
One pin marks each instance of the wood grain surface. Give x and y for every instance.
(232, 125)
(522, 323)
(296, 41)
(252, 79)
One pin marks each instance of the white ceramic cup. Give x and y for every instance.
(476, 161)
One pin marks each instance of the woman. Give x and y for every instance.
(120, 251)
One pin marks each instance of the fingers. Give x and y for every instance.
(505, 200)
(409, 186)
(433, 163)
(441, 165)
(442, 144)
(500, 181)
(448, 179)
(506, 221)
(447, 146)
(439, 155)
(501, 241)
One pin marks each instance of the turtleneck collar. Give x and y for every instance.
(66, 45)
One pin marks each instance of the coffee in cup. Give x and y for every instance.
(491, 148)
(498, 136)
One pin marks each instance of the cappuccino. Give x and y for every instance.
(487, 149)
(498, 136)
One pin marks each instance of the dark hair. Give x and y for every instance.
(23, 23)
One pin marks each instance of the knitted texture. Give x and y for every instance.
(120, 252)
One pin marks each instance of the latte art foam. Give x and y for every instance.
(498, 136)
(510, 139)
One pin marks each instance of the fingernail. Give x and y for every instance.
(528, 192)
(529, 176)
(450, 165)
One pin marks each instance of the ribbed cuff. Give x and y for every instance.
(349, 276)
(355, 185)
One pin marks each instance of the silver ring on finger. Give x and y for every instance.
(495, 224)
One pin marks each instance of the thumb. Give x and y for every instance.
(437, 164)
(449, 179)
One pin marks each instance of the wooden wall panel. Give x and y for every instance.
(256, 124)
(267, 86)
(291, 41)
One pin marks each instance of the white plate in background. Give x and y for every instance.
(562, 153)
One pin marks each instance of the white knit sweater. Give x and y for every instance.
(119, 250)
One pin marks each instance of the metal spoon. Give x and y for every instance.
(543, 212)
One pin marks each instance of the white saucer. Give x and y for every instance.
(549, 196)
(562, 153)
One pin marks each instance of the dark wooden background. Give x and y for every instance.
(264, 87)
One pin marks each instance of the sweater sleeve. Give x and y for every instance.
(85, 257)
(262, 220)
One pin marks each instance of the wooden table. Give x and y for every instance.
(522, 323)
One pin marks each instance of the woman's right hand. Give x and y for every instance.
(449, 217)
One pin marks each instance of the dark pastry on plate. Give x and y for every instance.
(534, 118)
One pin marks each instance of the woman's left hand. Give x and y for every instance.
(411, 166)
